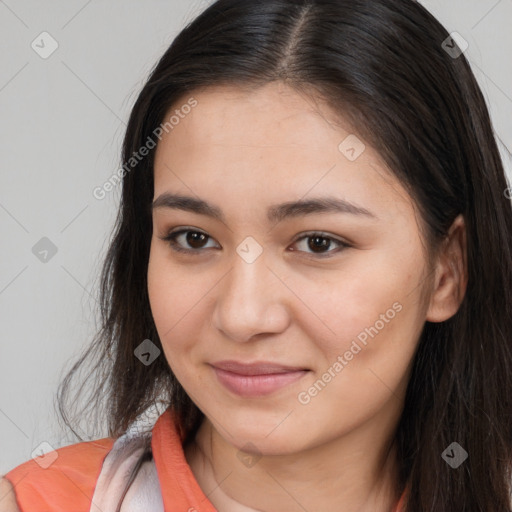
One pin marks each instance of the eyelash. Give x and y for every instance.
(171, 239)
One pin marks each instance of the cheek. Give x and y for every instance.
(171, 292)
(370, 313)
(178, 304)
(363, 363)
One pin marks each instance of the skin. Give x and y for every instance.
(244, 151)
(7, 497)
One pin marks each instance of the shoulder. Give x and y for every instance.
(61, 480)
(7, 498)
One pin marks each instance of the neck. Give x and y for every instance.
(356, 472)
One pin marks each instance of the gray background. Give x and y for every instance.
(62, 121)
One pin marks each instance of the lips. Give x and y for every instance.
(259, 368)
(256, 379)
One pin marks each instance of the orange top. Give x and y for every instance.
(68, 483)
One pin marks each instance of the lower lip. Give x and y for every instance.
(256, 385)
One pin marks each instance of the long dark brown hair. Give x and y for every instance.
(385, 66)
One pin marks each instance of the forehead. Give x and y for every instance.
(270, 142)
(278, 115)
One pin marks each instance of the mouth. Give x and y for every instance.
(256, 379)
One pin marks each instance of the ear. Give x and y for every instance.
(451, 277)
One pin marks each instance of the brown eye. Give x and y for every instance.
(319, 243)
(194, 239)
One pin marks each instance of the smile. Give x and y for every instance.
(257, 385)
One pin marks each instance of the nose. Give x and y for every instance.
(251, 301)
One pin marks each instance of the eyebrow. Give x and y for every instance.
(275, 213)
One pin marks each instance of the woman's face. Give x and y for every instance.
(254, 288)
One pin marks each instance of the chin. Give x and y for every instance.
(268, 437)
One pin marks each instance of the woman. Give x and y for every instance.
(311, 269)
